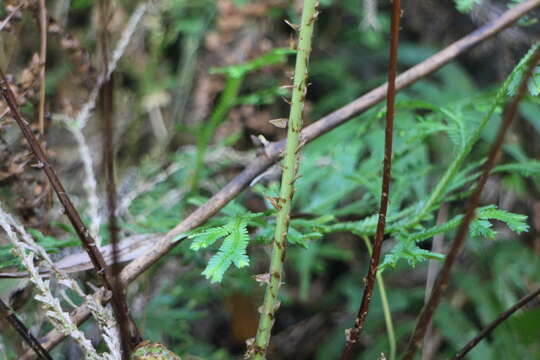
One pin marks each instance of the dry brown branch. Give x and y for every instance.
(84, 235)
(23, 331)
(499, 320)
(106, 106)
(11, 14)
(43, 60)
(274, 151)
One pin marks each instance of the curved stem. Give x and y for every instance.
(290, 168)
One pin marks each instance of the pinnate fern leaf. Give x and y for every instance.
(528, 168)
(207, 237)
(515, 222)
(482, 227)
(232, 251)
(408, 250)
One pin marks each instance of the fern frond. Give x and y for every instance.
(208, 237)
(408, 250)
(234, 246)
(297, 238)
(435, 230)
(481, 228)
(526, 168)
(232, 251)
(364, 227)
(515, 222)
(427, 126)
(456, 128)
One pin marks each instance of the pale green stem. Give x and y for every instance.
(386, 307)
(290, 167)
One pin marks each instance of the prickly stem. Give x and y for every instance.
(290, 169)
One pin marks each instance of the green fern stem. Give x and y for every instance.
(449, 174)
(226, 102)
(386, 306)
(290, 168)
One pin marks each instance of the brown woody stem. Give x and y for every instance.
(354, 332)
(23, 331)
(86, 238)
(499, 320)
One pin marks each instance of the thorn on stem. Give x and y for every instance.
(293, 26)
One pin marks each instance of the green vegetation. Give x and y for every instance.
(195, 95)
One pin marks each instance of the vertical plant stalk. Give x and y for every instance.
(442, 280)
(354, 332)
(84, 235)
(23, 331)
(120, 307)
(43, 20)
(499, 320)
(121, 314)
(290, 168)
(385, 305)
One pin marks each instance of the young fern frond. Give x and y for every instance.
(453, 169)
(515, 222)
(457, 132)
(232, 250)
(208, 237)
(232, 228)
(407, 248)
(529, 168)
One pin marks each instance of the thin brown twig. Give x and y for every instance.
(441, 283)
(121, 314)
(121, 310)
(86, 238)
(23, 331)
(499, 320)
(43, 60)
(5, 22)
(356, 330)
(274, 151)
